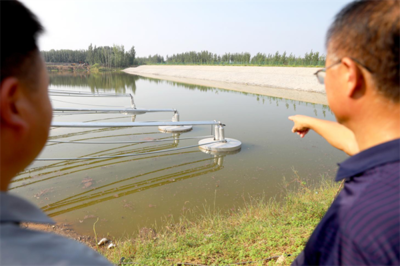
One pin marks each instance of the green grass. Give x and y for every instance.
(259, 230)
(96, 68)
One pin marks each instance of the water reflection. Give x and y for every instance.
(55, 200)
(123, 192)
(66, 167)
(129, 185)
(125, 83)
(97, 82)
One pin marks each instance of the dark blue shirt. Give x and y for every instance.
(362, 226)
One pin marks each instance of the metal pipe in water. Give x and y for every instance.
(132, 102)
(216, 132)
(222, 133)
(175, 118)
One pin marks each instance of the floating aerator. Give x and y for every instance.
(219, 144)
(175, 129)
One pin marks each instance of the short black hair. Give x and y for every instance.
(369, 31)
(19, 31)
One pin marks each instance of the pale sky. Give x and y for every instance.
(168, 27)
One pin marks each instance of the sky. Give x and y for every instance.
(176, 26)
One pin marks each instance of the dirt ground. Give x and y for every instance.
(62, 229)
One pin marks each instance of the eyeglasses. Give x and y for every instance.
(320, 74)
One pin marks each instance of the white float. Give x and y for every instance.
(214, 148)
(219, 144)
(175, 129)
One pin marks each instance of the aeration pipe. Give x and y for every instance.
(87, 94)
(113, 110)
(135, 124)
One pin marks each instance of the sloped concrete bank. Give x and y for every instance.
(296, 83)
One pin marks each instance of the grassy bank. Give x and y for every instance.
(79, 68)
(96, 68)
(67, 68)
(259, 230)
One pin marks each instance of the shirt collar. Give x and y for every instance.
(15, 209)
(387, 152)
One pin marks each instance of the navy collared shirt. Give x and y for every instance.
(21, 246)
(362, 226)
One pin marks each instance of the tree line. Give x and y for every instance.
(208, 58)
(106, 56)
(117, 56)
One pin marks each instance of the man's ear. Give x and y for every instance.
(355, 79)
(11, 101)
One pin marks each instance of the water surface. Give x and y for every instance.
(133, 192)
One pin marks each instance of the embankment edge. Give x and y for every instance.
(293, 94)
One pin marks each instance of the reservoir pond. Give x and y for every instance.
(128, 193)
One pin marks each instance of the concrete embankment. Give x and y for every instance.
(297, 83)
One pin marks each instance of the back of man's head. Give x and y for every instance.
(25, 108)
(369, 32)
(19, 31)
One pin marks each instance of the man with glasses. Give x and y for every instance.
(362, 226)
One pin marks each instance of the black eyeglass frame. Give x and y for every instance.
(338, 62)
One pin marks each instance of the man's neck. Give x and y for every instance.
(377, 127)
(5, 180)
(7, 173)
